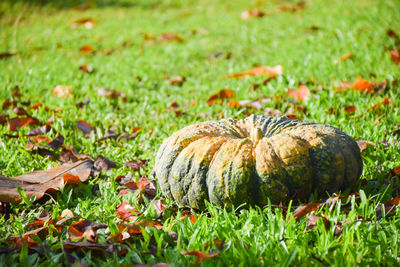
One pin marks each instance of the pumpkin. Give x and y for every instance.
(251, 160)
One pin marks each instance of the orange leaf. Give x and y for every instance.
(199, 254)
(363, 85)
(233, 104)
(85, 49)
(350, 109)
(127, 212)
(305, 209)
(343, 57)
(301, 93)
(71, 179)
(386, 101)
(259, 71)
(220, 95)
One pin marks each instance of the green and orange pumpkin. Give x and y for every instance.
(230, 162)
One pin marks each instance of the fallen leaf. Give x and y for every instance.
(86, 68)
(363, 85)
(259, 71)
(199, 254)
(6, 54)
(38, 131)
(86, 22)
(170, 37)
(177, 80)
(16, 123)
(233, 104)
(135, 228)
(385, 101)
(127, 212)
(392, 34)
(102, 164)
(86, 49)
(313, 219)
(252, 13)
(218, 97)
(293, 8)
(362, 144)
(350, 109)
(388, 206)
(301, 93)
(85, 229)
(343, 57)
(112, 94)
(20, 111)
(63, 91)
(69, 154)
(3, 119)
(136, 165)
(395, 55)
(305, 209)
(159, 206)
(38, 183)
(85, 127)
(108, 249)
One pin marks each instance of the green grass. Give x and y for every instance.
(47, 54)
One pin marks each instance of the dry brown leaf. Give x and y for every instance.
(38, 183)
(177, 80)
(199, 254)
(305, 209)
(313, 219)
(86, 22)
(85, 229)
(362, 144)
(350, 109)
(219, 96)
(395, 55)
(259, 71)
(252, 13)
(16, 123)
(170, 37)
(63, 91)
(85, 127)
(86, 68)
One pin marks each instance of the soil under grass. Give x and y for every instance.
(125, 42)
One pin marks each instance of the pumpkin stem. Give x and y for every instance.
(256, 134)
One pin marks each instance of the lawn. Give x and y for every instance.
(140, 70)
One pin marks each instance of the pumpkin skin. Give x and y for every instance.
(230, 162)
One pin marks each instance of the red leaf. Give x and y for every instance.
(79, 230)
(233, 104)
(301, 93)
(199, 254)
